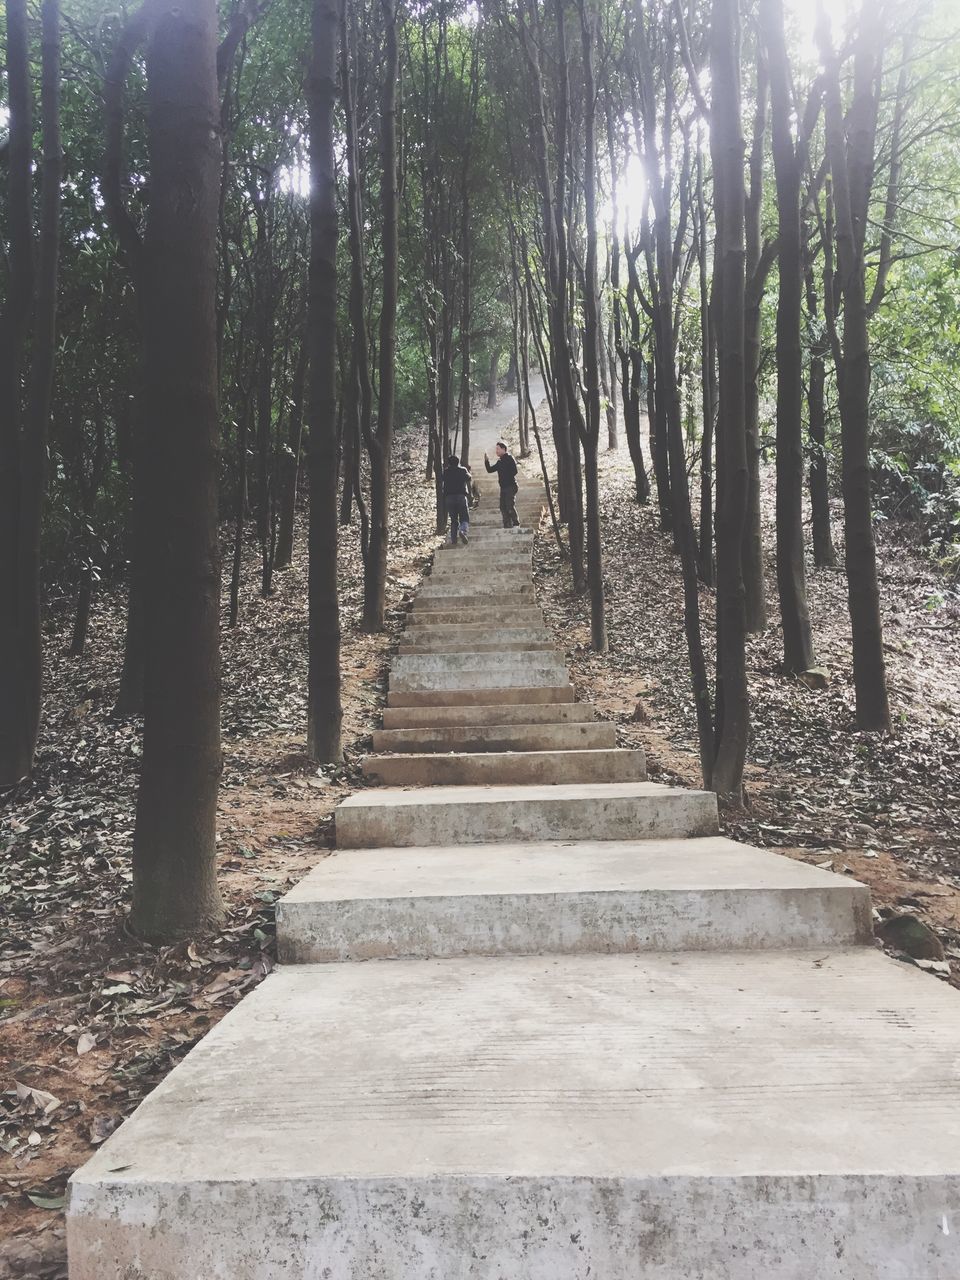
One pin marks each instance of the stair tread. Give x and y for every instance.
(661, 1065)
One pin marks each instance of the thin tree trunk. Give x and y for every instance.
(175, 890)
(375, 575)
(590, 437)
(241, 499)
(492, 380)
(757, 266)
(706, 566)
(290, 466)
(787, 160)
(23, 433)
(850, 146)
(824, 552)
(726, 144)
(324, 714)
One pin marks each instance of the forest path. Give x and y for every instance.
(599, 1038)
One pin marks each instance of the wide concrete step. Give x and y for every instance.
(596, 896)
(485, 616)
(517, 662)
(512, 768)
(475, 696)
(490, 585)
(456, 599)
(442, 681)
(509, 540)
(732, 1115)
(524, 715)
(441, 645)
(497, 737)
(488, 815)
(521, 535)
(480, 568)
(472, 632)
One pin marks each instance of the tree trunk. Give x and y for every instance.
(850, 145)
(175, 890)
(726, 144)
(824, 552)
(81, 619)
(466, 301)
(511, 384)
(659, 442)
(23, 433)
(375, 568)
(787, 160)
(237, 566)
(757, 265)
(493, 379)
(265, 309)
(706, 566)
(590, 437)
(290, 466)
(324, 715)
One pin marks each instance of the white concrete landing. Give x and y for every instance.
(723, 1116)
(515, 899)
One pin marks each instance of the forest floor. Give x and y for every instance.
(90, 1018)
(884, 808)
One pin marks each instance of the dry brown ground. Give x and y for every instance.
(90, 1018)
(886, 808)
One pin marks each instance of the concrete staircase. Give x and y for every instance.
(599, 1041)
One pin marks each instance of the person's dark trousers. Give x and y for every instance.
(459, 515)
(508, 508)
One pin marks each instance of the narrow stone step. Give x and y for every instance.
(487, 815)
(497, 737)
(562, 899)
(506, 768)
(480, 697)
(784, 1115)
(546, 713)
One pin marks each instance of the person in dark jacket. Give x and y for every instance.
(456, 490)
(506, 469)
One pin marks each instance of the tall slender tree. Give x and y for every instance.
(726, 147)
(788, 160)
(175, 890)
(29, 315)
(851, 142)
(380, 440)
(324, 713)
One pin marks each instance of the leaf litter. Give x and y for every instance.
(91, 1018)
(883, 808)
